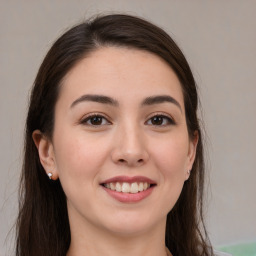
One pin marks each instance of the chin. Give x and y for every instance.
(132, 225)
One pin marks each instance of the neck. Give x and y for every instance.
(93, 241)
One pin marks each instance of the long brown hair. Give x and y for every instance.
(42, 224)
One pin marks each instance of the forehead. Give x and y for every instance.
(118, 71)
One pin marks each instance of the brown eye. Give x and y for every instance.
(157, 120)
(160, 120)
(95, 120)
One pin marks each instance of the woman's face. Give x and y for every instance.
(120, 145)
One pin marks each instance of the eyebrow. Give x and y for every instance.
(95, 98)
(152, 100)
(160, 99)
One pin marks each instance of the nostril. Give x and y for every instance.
(130, 161)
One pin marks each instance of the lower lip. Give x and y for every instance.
(129, 197)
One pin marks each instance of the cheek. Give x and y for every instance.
(76, 156)
(171, 162)
(171, 157)
(77, 164)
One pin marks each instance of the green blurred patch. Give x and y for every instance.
(248, 249)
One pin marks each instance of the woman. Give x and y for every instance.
(113, 159)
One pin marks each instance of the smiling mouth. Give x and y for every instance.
(125, 187)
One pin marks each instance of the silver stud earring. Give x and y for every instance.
(49, 175)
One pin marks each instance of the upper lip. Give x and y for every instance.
(129, 179)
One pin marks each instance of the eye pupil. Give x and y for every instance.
(157, 120)
(96, 120)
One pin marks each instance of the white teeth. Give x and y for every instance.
(134, 188)
(126, 187)
(112, 186)
(141, 187)
(145, 185)
(118, 187)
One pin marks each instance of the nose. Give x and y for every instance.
(130, 147)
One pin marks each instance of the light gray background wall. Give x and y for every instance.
(218, 37)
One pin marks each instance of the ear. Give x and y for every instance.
(46, 153)
(191, 154)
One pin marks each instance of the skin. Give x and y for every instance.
(125, 141)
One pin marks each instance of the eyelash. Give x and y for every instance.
(168, 120)
(94, 115)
